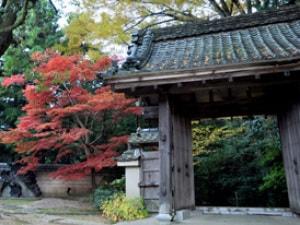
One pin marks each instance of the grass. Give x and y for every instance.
(66, 211)
(17, 201)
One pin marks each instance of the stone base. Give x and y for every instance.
(180, 216)
(164, 218)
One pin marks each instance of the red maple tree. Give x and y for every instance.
(65, 114)
(17, 79)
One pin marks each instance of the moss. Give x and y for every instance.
(17, 201)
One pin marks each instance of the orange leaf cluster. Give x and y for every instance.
(69, 68)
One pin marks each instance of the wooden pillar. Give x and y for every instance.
(166, 152)
(289, 125)
(176, 161)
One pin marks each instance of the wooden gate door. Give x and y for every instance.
(149, 180)
(176, 160)
(182, 163)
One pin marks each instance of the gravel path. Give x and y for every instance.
(44, 219)
(49, 211)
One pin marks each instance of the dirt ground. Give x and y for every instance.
(49, 211)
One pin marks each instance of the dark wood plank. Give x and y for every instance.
(150, 112)
(189, 168)
(183, 175)
(150, 178)
(289, 125)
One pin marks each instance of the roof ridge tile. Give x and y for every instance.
(283, 14)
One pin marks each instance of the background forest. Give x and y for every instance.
(237, 161)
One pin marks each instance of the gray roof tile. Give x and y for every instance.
(273, 35)
(148, 136)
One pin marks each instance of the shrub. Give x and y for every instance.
(103, 194)
(121, 208)
(118, 184)
(107, 191)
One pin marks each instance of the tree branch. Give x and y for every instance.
(157, 23)
(225, 8)
(218, 9)
(20, 19)
(3, 3)
(53, 6)
(239, 6)
(249, 6)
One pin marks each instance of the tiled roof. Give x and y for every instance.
(144, 136)
(267, 36)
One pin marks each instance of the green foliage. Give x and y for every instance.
(40, 31)
(121, 208)
(239, 163)
(37, 33)
(10, 100)
(106, 192)
(102, 194)
(208, 135)
(118, 184)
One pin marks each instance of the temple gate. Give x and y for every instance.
(244, 65)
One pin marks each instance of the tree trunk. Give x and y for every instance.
(5, 41)
(93, 179)
(6, 19)
(12, 15)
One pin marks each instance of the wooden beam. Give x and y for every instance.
(229, 90)
(257, 76)
(150, 112)
(195, 86)
(249, 92)
(236, 107)
(269, 104)
(198, 112)
(214, 73)
(211, 96)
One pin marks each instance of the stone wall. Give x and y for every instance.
(40, 183)
(60, 188)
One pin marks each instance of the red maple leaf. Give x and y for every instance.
(17, 79)
(65, 116)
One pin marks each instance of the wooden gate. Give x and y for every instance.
(149, 180)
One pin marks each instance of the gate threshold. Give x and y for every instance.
(200, 210)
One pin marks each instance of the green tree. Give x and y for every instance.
(238, 162)
(12, 15)
(102, 21)
(38, 32)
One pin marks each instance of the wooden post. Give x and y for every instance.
(165, 151)
(176, 161)
(289, 125)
